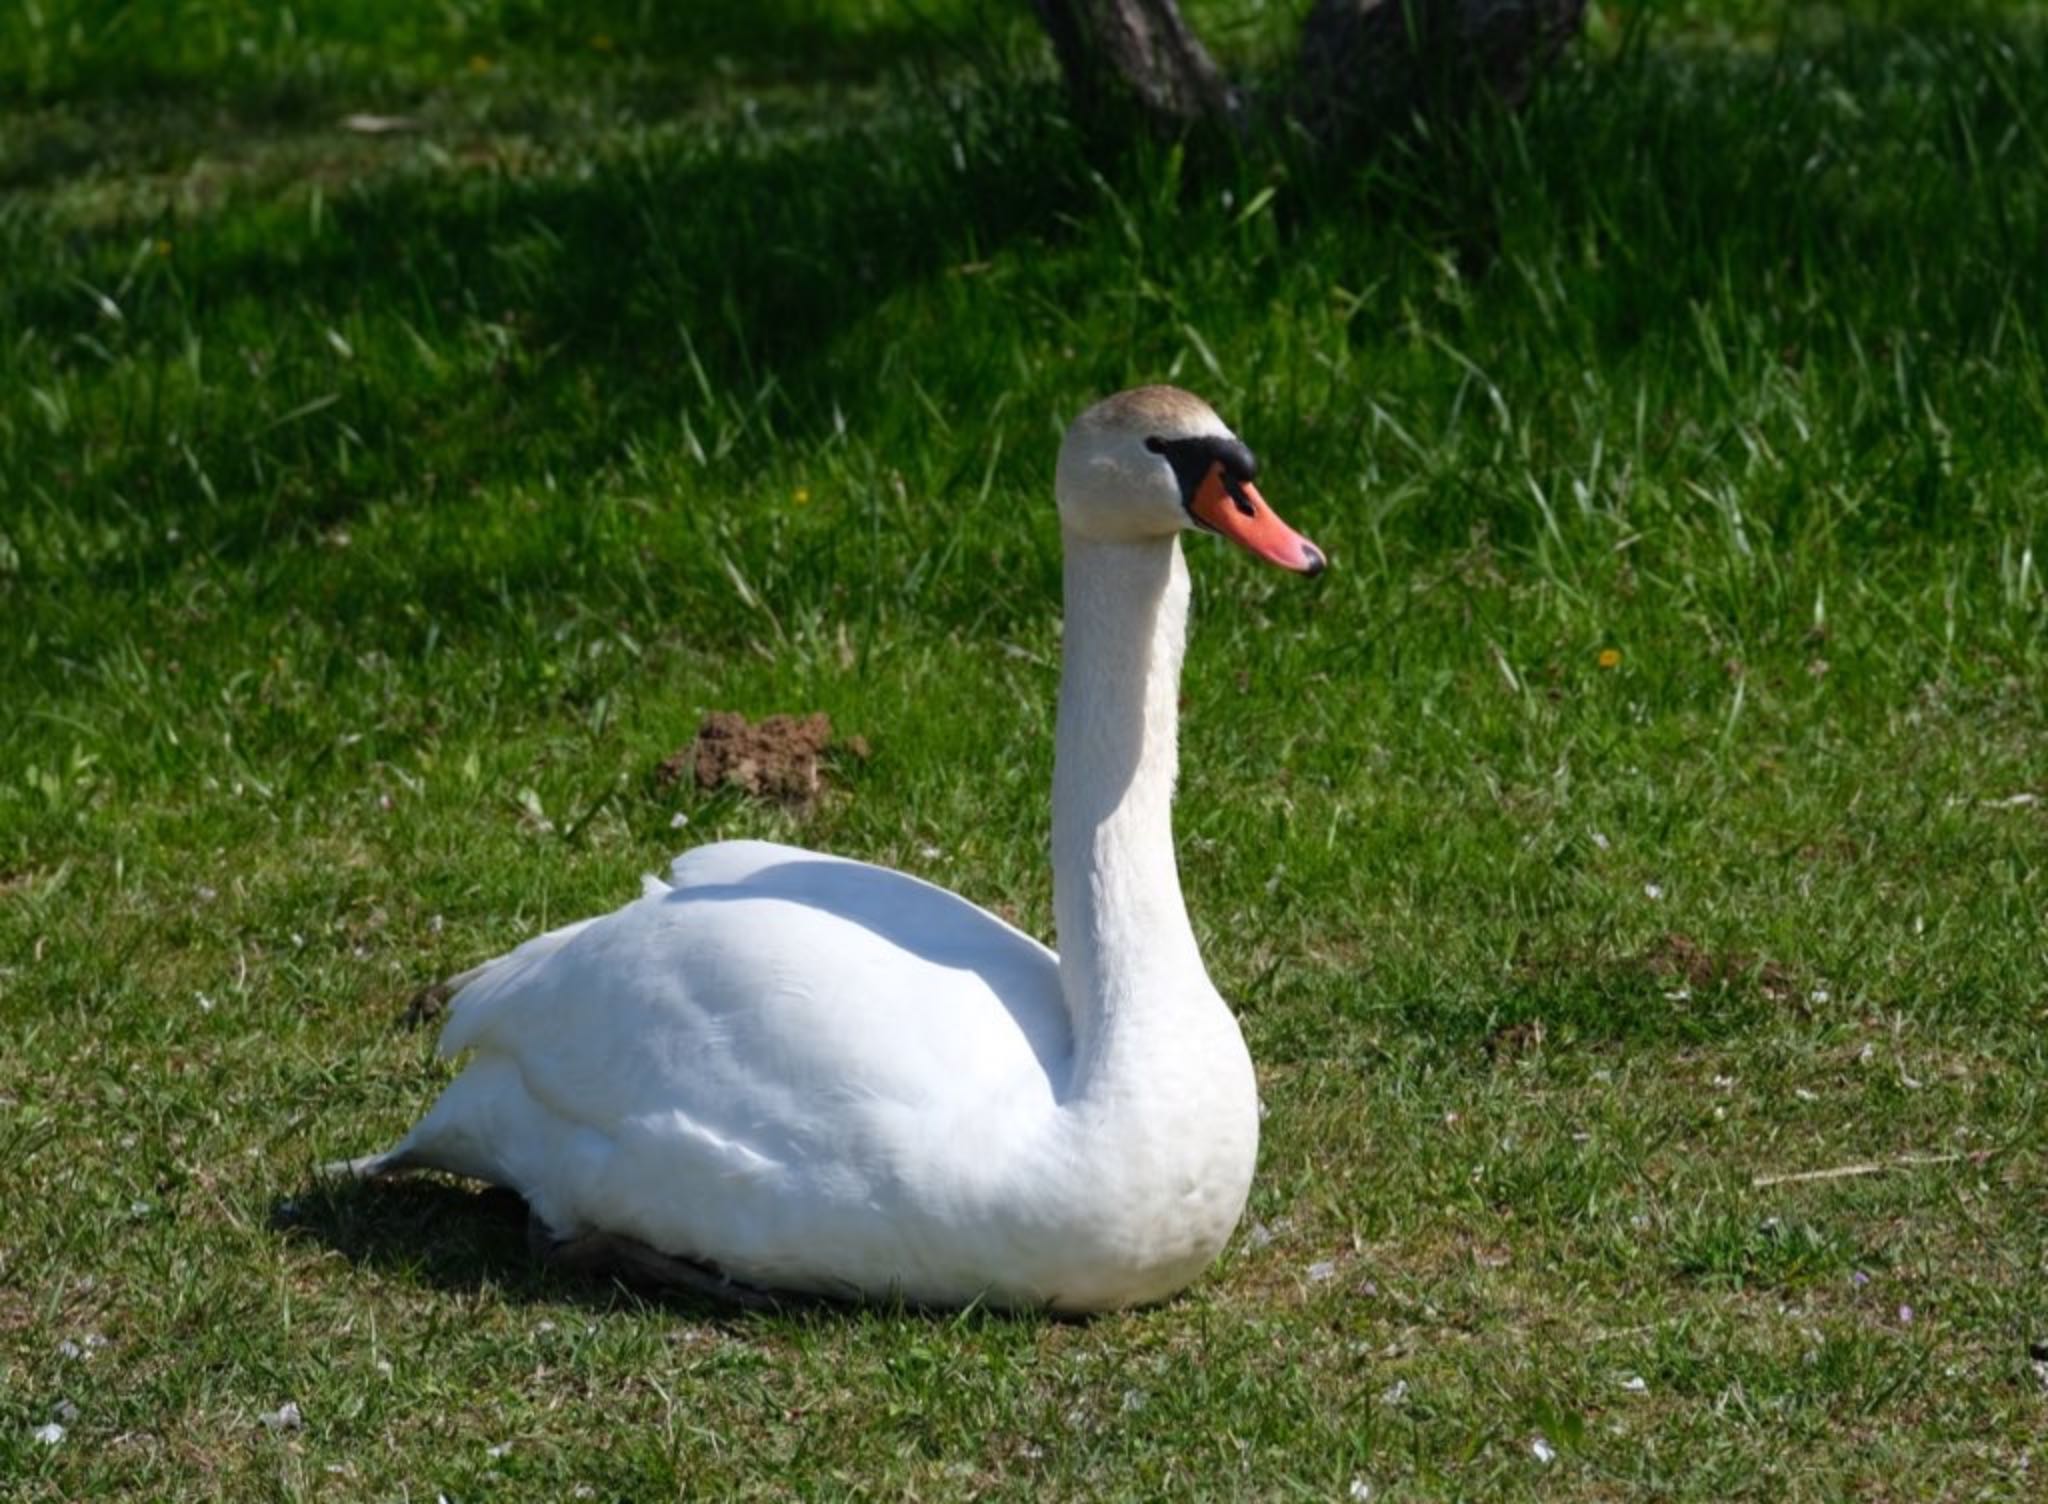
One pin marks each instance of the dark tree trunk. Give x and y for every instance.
(1374, 61)
(1362, 62)
(1136, 51)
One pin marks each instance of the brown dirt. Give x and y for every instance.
(779, 757)
(1516, 1040)
(1680, 958)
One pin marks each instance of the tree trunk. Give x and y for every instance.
(1139, 52)
(1375, 61)
(1361, 62)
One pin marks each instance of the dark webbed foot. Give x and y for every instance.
(614, 1255)
(369, 1167)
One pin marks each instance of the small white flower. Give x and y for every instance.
(678, 820)
(1394, 1393)
(1804, 1095)
(1820, 994)
(138, 1208)
(205, 1003)
(1600, 840)
(383, 1366)
(48, 1434)
(1653, 891)
(1360, 1490)
(1635, 1383)
(501, 1449)
(928, 851)
(69, 1349)
(1542, 1451)
(285, 1417)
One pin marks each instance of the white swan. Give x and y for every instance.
(811, 1074)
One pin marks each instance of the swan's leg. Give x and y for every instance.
(610, 1253)
(370, 1166)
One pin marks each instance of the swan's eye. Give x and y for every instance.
(1209, 459)
(1234, 483)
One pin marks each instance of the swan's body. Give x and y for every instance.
(818, 1075)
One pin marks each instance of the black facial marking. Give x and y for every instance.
(1192, 460)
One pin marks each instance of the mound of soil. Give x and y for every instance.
(1680, 958)
(778, 757)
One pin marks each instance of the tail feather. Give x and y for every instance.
(461, 1132)
(473, 994)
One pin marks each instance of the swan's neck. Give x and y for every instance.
(1128, 961)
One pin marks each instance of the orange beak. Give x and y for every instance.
(1237, 511)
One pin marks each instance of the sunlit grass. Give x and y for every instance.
(1648, 803)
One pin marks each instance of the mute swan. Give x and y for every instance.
(796, 1072)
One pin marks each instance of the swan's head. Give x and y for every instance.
(1152, 461)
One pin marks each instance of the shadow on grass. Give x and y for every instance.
(451, 1236)
(223, 55)
(646, 296)
(456, 1237)
(567, 313)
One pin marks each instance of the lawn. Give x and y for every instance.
(1630, 861)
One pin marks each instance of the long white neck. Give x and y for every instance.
(1128, 961)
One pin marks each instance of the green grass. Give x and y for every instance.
(361, 494)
